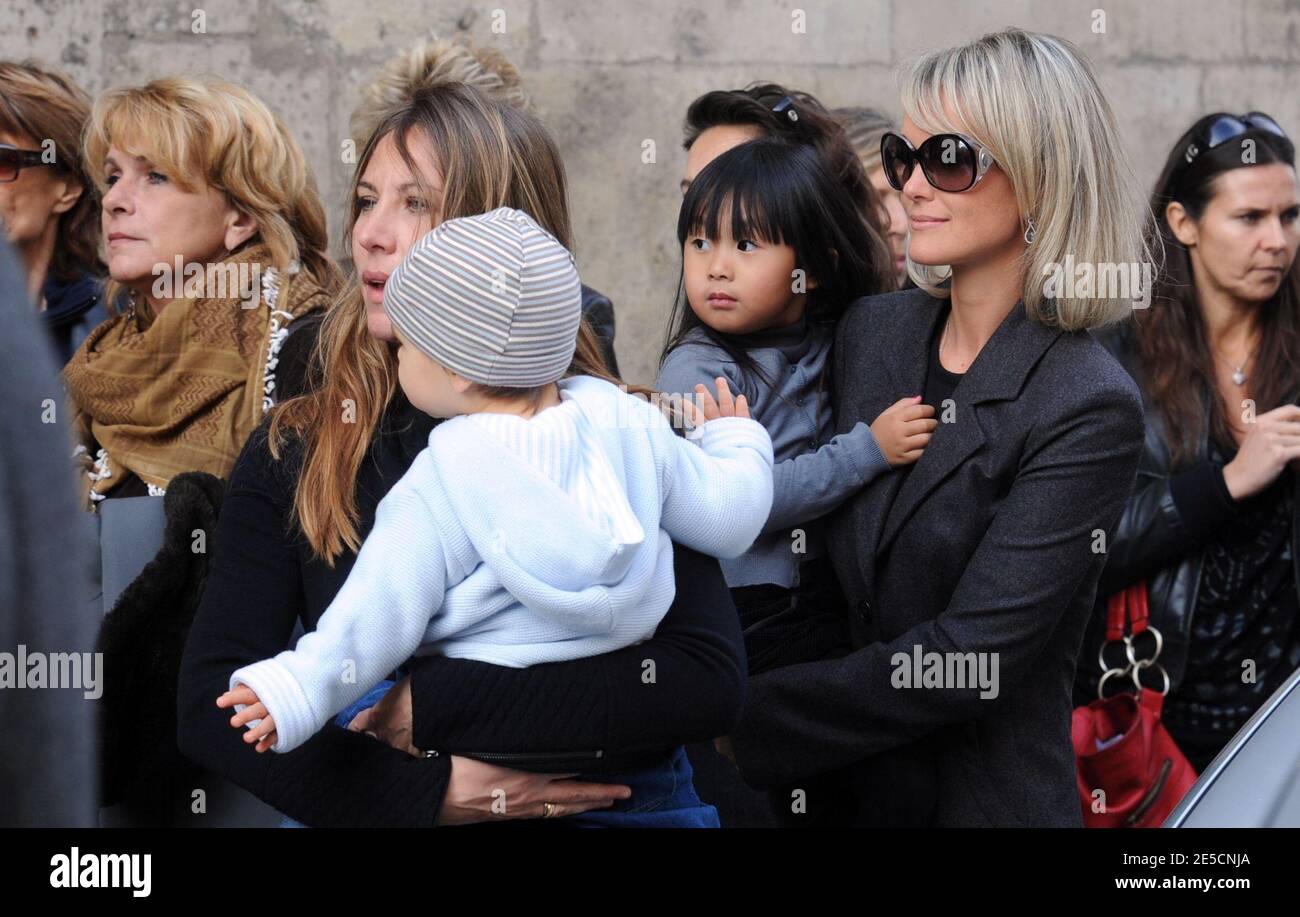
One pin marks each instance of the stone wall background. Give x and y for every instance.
(606, 76)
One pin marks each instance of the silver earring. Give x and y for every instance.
(1031, 232)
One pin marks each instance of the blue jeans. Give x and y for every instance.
(663, 794)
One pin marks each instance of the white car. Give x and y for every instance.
(1255, 781)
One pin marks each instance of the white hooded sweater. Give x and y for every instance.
(520, 541)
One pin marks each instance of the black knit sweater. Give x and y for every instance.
(263, 578)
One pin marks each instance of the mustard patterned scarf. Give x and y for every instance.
(183, 392)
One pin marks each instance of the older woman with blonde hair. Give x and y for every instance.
(971, 573)
(216, 243)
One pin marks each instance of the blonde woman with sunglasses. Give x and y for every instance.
(971, 576)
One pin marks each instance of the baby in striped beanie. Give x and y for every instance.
(537, 526)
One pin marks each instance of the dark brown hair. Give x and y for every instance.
(783, 194)
(811, 125)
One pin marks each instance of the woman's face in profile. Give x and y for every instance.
(149, 220)
(395, 207)
(1245, 241)
(31, 202)
(967, 227)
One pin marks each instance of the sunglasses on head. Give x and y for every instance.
(14, 160)
(1226, 127)
(949, 162)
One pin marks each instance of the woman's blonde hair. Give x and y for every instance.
(864, 128)
(438, 62)
(1033, 101)
(46, 105)
(220, 135)
(489, 155)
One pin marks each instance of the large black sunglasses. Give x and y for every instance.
(950, 162)
(14, 160)
(1226, 127)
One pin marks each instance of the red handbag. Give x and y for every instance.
(1130, 772)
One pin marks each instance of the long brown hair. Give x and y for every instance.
(490, 156)
(46, 105)
(1176, 363)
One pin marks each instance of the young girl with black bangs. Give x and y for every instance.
(772, 254)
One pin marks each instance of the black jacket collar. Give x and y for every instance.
(1000, 369)
(998, 373)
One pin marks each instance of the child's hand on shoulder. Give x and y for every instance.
(704, 408)
(264, 732)
(903, 430)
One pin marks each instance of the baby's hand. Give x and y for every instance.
(264, 732)
(708, 409)
(903, 430)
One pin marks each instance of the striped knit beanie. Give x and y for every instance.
(494, 298)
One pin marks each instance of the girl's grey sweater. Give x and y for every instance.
(814, 471)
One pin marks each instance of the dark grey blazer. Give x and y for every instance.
(986, 547)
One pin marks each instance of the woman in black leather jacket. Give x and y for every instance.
(1212, 525)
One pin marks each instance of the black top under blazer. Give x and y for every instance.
(986, 546)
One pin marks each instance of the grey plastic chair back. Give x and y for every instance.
(130, 535)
